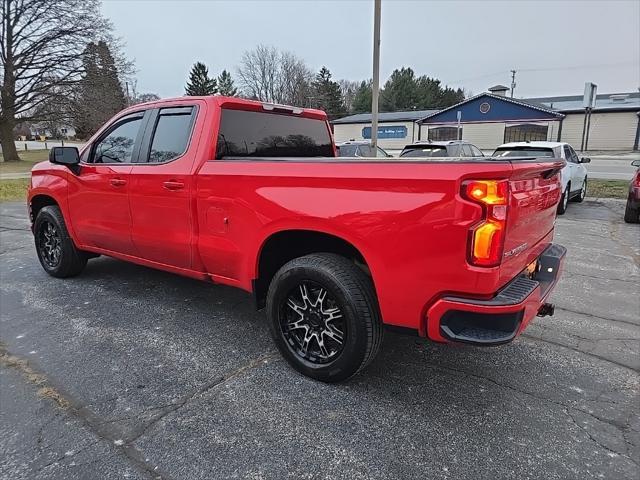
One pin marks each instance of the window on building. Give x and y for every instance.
(438, 134)
(525, 132)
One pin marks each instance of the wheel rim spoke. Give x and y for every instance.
(312, 323)
(50, 245)
(333, 335)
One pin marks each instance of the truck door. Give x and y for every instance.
(579, 171)
(574, 168)
(99, 194)
(161, 186)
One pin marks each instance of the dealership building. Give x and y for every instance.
(492, 118)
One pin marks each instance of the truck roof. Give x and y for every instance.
(438, 143)
(243, 103)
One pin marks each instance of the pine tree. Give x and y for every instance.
(199, 83)
(362, 99)
(405, 91)
(226, 86)
(327, 93)
(400, 91)
(100, 93)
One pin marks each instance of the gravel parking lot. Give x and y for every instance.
(127, 372)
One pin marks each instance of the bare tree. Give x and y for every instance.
(272, 76)
(348, 88)
(41, 46)
(145, 97)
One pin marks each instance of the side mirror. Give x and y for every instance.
(585, 160)
(68, 156)
(636, 163)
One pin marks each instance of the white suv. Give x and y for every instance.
(573, 175)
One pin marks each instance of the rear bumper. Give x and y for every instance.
(499, 319)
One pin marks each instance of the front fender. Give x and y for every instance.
(52, 181)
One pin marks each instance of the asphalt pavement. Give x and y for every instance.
(127, 372)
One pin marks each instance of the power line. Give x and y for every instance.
(545, 69)
(578, 67)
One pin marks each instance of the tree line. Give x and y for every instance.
(270, 75)
(62, 66)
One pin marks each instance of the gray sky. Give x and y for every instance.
(555, 45)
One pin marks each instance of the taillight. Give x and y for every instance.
(486, 239)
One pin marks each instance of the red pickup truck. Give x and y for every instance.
(251, 195)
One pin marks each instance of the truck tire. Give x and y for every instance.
(56, 251)
(564, 200)
(583, 192)
(324, 316)
(631, 215)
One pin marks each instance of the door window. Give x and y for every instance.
(117, 146)
(466, 151)
(382, 153)
(574, 155)
(171, 135)
(567, 154)
(476, 151)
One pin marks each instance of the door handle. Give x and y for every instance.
(118, 182)
(173, 185)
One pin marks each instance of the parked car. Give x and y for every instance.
(359, 148)
(573, 175)
(451, 148)
(632, 210)
(247, 194)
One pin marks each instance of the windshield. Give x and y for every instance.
(524, 152)
(435, 151)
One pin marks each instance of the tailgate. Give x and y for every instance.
(535, 193)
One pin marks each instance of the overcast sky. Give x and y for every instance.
(554, 45)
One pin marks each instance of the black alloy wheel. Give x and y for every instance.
(312, 323)
(49, 244)
(324, 316)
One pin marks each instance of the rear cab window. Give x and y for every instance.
(347, 150)
(524, 152)
(422, 151)
(245, 133)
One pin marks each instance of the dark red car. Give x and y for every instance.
(251, 195)
(632, 210)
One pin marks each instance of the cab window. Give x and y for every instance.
(118, 144)
(171, 135)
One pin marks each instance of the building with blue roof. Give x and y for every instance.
(492, 118)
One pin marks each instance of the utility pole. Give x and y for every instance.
(376, 76)
(126, 84)
(513, 82)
